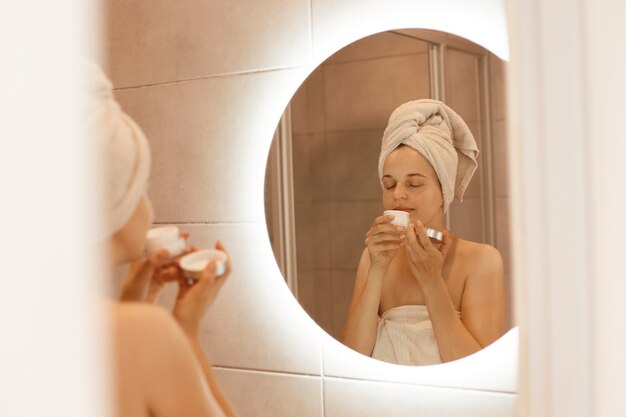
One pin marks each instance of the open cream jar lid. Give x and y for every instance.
(194, 263)
(435, 235)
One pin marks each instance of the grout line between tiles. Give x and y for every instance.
(334, 132)
(491, 391)
(207, 77)
(376, 58)
(212, 223)
(311, 43)
(264, 371)
(328, 269)
(324, 377)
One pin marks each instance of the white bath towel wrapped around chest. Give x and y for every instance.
(405, 337)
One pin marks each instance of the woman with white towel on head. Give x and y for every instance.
(159, 367)
(417, 301)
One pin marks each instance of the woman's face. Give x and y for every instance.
(411, 184)
(131, 239)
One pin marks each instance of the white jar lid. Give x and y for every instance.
(195, 262)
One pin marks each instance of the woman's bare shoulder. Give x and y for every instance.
(147, 342)
(136, 326)
(481, 256)
(142, 315)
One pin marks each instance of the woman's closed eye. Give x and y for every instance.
(389, 185)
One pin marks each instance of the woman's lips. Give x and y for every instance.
(407, 209)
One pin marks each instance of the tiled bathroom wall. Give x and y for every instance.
(207, 81)
(483, 216)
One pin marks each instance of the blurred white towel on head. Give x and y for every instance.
(122, 148)
(405, 337)
(441, 136)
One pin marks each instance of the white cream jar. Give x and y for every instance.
(165, 237)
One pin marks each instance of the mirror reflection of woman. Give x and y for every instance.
(415, 301)
(158, 365)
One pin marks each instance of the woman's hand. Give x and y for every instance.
(148, 275)
(383, 241)
(194, 299)
(425, 260)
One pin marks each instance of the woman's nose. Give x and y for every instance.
(399, 192)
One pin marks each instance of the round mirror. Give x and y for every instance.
(323, 194)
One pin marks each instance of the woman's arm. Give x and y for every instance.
(382, 243)
(192, 302)
(359, 331)
(482, 304)
(148, 275)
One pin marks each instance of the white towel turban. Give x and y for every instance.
(122, 149)
(441, 136)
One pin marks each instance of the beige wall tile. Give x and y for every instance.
(503, 231)
(310, 168)
(466, 219)
(315, 294)
(365, 398)
(500, 158)
(249, 323)
(362, 95)
(498, 87)
(504, 242)
(349, 223)
(323, 299)
(306, 291)
(155, 42)
(509, 320)
(384, 44)
(307, 105)
(353, 165)
(256, 394)
(313, 236)
(462, 84)
(476, 128)
(342, 289)
(209, 155)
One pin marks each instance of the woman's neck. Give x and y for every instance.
(437, 223)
